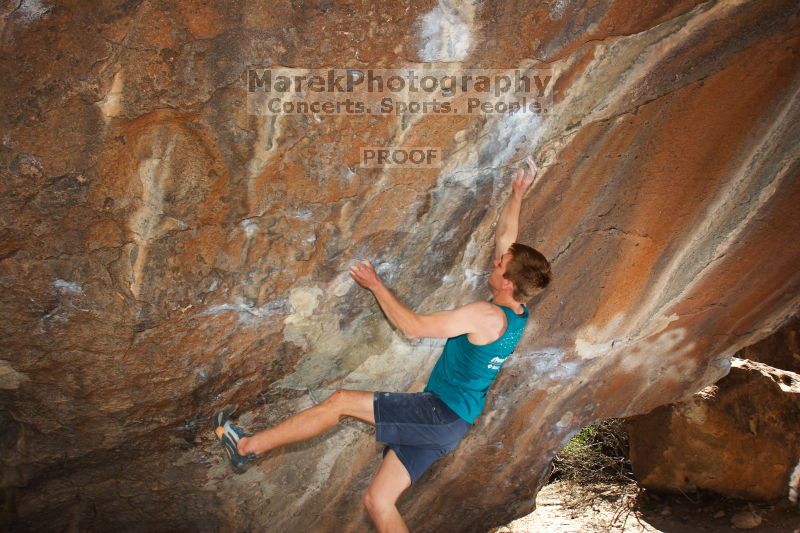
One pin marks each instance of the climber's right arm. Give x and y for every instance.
(508, 224)
(398, 314)
(469, 318)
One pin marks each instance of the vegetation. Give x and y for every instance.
(597, 454)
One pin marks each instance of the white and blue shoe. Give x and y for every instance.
(230, 440)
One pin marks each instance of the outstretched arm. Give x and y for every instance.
(508, 225)
(468, 318)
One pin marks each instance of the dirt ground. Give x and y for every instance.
(566, 508)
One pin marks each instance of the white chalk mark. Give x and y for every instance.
(29, 11)
(247, 313)
(446, 31)
(69, 287)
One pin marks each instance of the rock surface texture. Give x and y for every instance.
(738, 437)
(163, 252)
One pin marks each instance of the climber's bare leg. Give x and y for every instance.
(312, 421)
(388, 484)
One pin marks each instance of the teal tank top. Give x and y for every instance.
(465, 371)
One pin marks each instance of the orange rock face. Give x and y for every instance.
(164, 252)
(737, 438)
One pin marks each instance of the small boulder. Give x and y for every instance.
(746, 520)
(738, 437)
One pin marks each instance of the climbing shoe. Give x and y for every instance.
(231, 434)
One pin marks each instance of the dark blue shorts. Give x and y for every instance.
(418, 426)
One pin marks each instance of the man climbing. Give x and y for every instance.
(418, 428)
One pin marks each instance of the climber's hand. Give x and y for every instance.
(365, 275)
(524, 178)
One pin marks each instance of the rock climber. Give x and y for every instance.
(418, 428)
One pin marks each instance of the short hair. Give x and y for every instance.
(528, 270)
